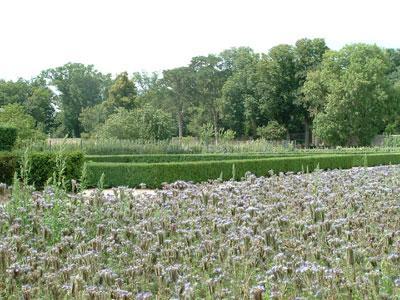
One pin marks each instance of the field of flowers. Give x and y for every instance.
(324, 235)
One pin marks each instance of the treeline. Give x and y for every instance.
(342, 97)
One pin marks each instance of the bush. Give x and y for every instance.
(43, 165)
(8, 166)
(8, 137)
(273, 131)
(154, 174)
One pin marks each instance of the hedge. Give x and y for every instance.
(8, 165)
(8, 137)
(160, 158)
(43, 165)
(154, 174)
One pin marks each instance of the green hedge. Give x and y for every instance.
(43, 164)
(8, 165)
(154, 174)
(8, 137)
(160, 158)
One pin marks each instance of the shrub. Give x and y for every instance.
(273, 131)
(43, 165)
(154, 174)
(8, 137)
(8, 166)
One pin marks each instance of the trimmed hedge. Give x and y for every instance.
(154, 174)
(8, 137)
(43, 164)
(8, 165)
(160, 158)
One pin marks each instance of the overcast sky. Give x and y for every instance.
(152, 35)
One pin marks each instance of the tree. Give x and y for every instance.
(93, 116)
(277, 87)
(40, 105)
(180, 87)
(356, 93)
(122, 93)
(80, 86)
(309, 55)
(145, 123)
(37, 98)
(14, 92)
(238, 92)
(15, 115)
(210, 76)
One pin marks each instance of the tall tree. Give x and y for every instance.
(14, 91)
(79, 86)
(356, 93)
(277, 87)
(122, 93)
(210, 76)
(180, 87)
(239, 90)
(309, 55)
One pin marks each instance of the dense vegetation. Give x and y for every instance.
(344, 97)
(325, 235)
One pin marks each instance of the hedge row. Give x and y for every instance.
(160, 158)
(43, 165)
(154, 174)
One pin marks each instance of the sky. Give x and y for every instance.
(153, 35)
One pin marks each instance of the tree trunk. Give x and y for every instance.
(215, 119)
(180, 124)
(307, 132)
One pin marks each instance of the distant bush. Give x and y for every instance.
(145, 123)
(8, 137)
(272, 132)
(154, 174)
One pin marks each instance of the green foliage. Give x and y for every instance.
(42, 166)
(180, 91)
(145, 123)
(8, 137)
(122, 93)
(206, 133)
(158, 158)
(227, 135)
(8, 166)
(15, 115)
(356, 95)
(80, 86)
(273, 131)
(154, 174)
(94, 116)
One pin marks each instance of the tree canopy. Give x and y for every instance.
(343, 97)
